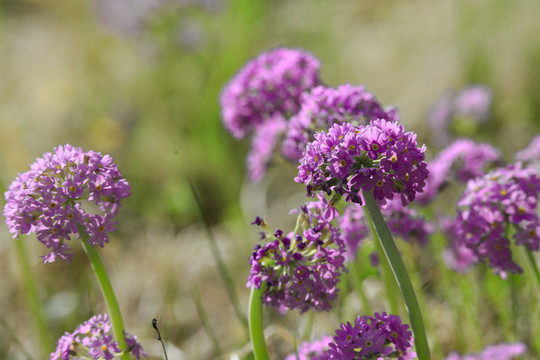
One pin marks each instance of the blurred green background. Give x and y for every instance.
(140, 80)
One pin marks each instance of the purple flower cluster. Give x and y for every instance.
(378, 157)
(353, 229)
(267, 87)
(487, 208)
(405, 222)
(493, 352)
(301, 269)
(462, 160)
(456, 256)
(323, 107)
(91, 340)
(380, 337)
(314, 350)
(62, 191)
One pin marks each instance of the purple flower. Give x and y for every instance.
(385, 160)
(531, 153)
(314, 350)
(474, 102)
(462, 160)
(267, 87)
(51, 199)
(457, 256)
(405, 222)
(323, 107)
(489, 206)
(300, 270)
(263, 145)
(353, 229)
(493, 352)
(91, 340)
(380, 337)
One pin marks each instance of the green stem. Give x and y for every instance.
(358, 286)
(108, 293)
(534, 267)
(256, 331)
(400, 273)
(32, 297)
(389, 281)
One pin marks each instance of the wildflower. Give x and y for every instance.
(462, 160)
(490, 205)
(378, 157)
(91, 340)
(456, 256)
(380, 337)
(267, 87)
(474, 102)
(531, 153)
(55, 197)
(323, 107)
(493, 352)
(353, 229)
(314, 350)
(300, 270)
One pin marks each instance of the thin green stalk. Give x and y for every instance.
(32, 297)
(222, 268)
(256, 330)
(534, 266)
(108, 293)
(357, 284)
(206, 323)
(389, 281)
(400, 273)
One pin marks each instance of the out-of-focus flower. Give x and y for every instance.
(531, 153)
(490, 205)
(55, 197)
(91, 340)
(378, 157)
(456, 256)
(380, 337)
(301, 269)
(474, 102)
(462, 160)
(323, 107)
(493, 352)
(353, 229)
(313, 350)
(267, 87)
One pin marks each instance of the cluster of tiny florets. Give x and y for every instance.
(92, 340)
(324, 106)
(267, 87)
(380, 337)
(490, 205)
(64, 191)
(378, 157)
(462, 161)
(299, 270)
(313, 350)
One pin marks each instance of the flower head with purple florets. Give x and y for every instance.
(380, 337)
(92, 340)
(267, 87)
(490, 205)
(323, 107)
(301, 269)
(378, 157)
(461, 161)
(64, 191)
(313, 350)
(406, 222)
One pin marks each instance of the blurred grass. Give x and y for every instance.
(145, 89)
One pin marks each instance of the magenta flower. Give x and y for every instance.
(378, 157)
(91, 340)
(531, 153)
(462, 160)
(313, 350)
(323, 107)
(299, 270)
(489, 206)
(380, 337)
(493, 352)
(53, 199)
(266, 88)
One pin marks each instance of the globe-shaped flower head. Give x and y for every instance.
(378, 157)
(300, 270)
(266, 88)
(63, 192)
